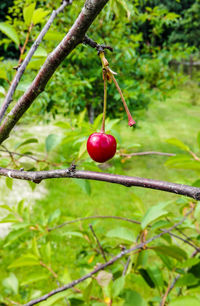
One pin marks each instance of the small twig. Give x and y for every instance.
(95, 45)
(129, 155)
(98, 242)
(49, 269)
(93, 217)
(23, 66)
(28, 156)
(170, 287)
(186, 241)
(25, 43)
(194, 156)
(126, 266)
(9, 153)
(108, 263)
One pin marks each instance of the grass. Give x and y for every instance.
(176, 117)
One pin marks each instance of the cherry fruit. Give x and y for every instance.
(101, 147)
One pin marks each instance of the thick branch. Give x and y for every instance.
(75, 36)
(128, 181)
(21, 69)
(108, 263)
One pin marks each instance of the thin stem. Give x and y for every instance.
(25, 43)
(93, 217)
(131, 122)
(104, 100)
(98, 242)
(129, 155)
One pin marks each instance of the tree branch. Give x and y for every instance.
(100, 48)
(22, 67)
(108, 263)
(93, 217)
(129, 155)
(98, 242)
(128, 181)
(75, 36)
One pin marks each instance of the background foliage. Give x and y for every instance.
(149, 38)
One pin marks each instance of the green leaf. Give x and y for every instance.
(9, 182)
(138, 202)
(185, 301)
(63, 125)
(156, 275)
(15, 235)
(196, 183)
(20, 207)
(51, 142)
(23, 86)
(9, 31)
(189, 263)
(3, 74)
(54, 299)
(47, 251)
(39, 15)
(198, 139)
(132, 297)
(40, 52)
(72, 234)
(25, 260)
(122, 233)
(187, 280)
(153, 213)
(197, 211)
(35, 248)
(51, 35)
(55, 215)
(9, 218)
(11, 283)
(7, 207)
(141, 260)
(87, 292)
(176, 142)
(84, 184)
(118, 286)
(34, 277)
(28, 13)
(183, 162)
(172, 251)
(83, 149)
(23, 143)
(2, 91)
(145, 274)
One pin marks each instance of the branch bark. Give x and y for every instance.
(108, 263)
(74, 37)
(128, 181)
(21, 69)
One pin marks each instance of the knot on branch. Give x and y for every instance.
(100, 48)
(71, 170)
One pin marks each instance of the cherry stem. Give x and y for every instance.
(104, 101)
(130, 119)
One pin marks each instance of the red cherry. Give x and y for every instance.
(101, 147)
